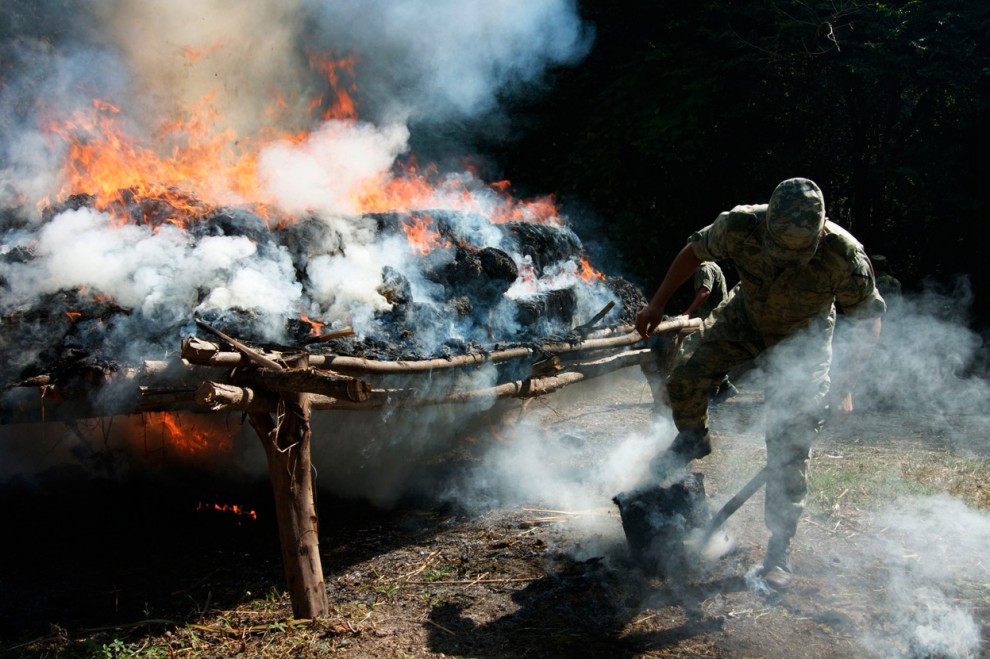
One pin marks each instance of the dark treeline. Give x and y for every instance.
(685, 108)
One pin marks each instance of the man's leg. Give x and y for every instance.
(688, 387)
(788, 451)
(797, 383)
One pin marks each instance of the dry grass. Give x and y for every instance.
(847, 478)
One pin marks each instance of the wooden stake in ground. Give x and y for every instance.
(286, 439)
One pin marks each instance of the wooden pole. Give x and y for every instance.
(286, 440)
(204, 353)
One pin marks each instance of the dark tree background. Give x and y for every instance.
(685, 108)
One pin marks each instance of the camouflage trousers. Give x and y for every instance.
(795, 372)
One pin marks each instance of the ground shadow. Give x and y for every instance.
(82, 553)
(582, 610)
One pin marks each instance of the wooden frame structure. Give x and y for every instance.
(279, 390)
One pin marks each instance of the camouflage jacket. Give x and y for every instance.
(781, 301)
(709, 276)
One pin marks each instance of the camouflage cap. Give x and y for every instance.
(795, 219)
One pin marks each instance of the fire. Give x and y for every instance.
(588, 273)
(542, 209)
(204, 167)
(73, 315)
(315, 326)
(233, 509)
(411, 187)
(192, 165)
(195, 163)
(185, 436)
(343, 107)
(193, 54)
(422, 237)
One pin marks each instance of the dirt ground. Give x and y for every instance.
(115, 571)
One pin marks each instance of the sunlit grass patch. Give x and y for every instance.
(867, 478)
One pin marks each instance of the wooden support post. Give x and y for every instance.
(286, 439)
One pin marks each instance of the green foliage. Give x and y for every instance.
(116, 650)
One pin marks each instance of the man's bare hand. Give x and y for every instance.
(647, 320)
(840, 409)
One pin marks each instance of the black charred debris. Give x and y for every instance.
(78, 338)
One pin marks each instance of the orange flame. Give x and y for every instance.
(315, 326)
(192, 55)
(344, 107)
(588, 273)
(195, 163)
(233, 509)
(73, 315)
(186, 437)
(204, 168)
(415, 188)
(422, 237)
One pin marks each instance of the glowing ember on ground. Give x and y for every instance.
(232, 509)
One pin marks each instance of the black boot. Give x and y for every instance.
(777, 570)
(687, 446)
(723, 391)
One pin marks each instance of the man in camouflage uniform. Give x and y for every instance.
(793, 265)
(709, 291)
(888, 285)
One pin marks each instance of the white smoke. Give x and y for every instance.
(154, 272)
(252, 73)
(322, 174)
(435, 60)
(250, 64)
(932, 547)
(566, 461)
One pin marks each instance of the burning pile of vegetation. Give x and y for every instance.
(449, 294)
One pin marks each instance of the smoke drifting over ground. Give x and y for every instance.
(933, 548)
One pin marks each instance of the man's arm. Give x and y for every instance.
(699, 299)
(681, 269)
(866, 333)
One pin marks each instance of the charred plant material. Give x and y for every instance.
(544, 244)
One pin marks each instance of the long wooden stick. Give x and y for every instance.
(218, 396)
(200, 352)
(248, 352)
